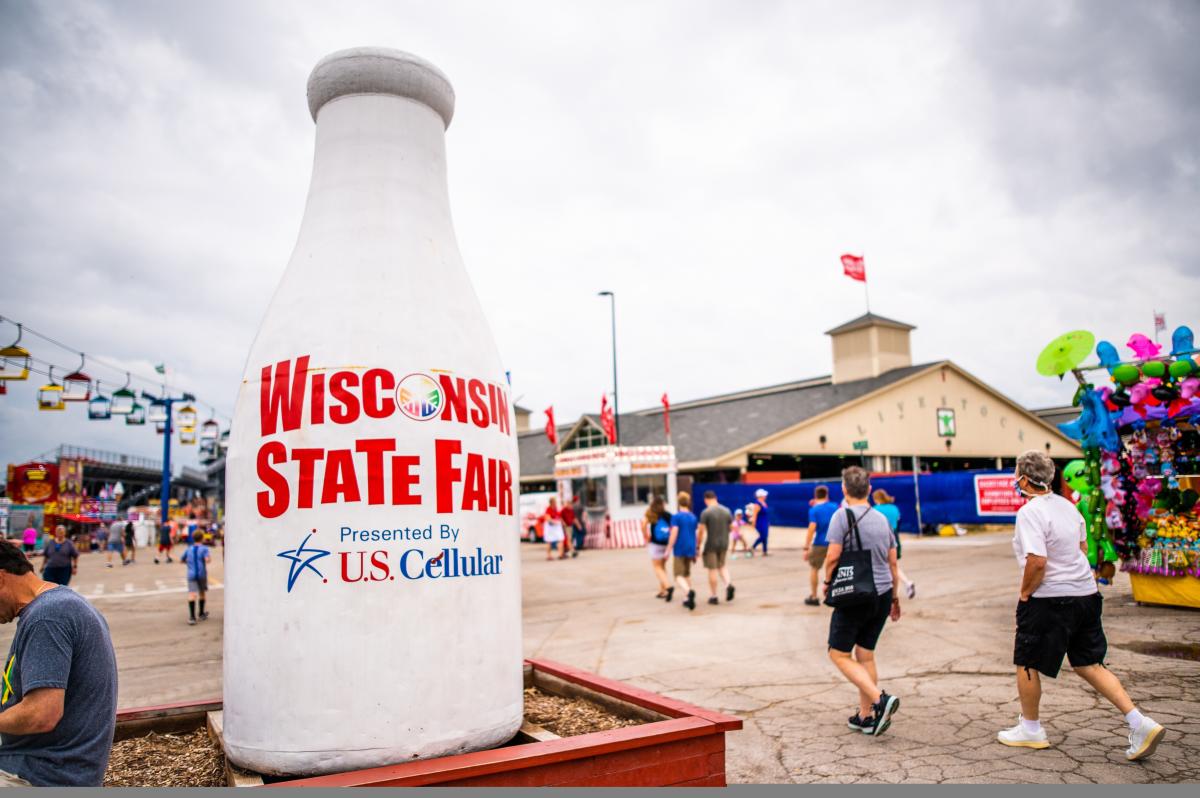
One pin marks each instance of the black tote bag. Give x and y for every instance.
(853, 581)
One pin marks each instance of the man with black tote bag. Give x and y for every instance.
(860, 570)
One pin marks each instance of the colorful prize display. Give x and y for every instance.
(373, 594)
(1138, 482)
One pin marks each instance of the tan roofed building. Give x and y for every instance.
(876, 408)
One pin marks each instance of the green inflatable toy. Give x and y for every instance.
(1154, 369)
(1126, 375)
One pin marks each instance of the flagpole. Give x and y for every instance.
(866, 290)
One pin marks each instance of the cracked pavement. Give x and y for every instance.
(763, 658)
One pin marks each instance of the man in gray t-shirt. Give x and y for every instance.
(877, 538)
(714, 532)
(58, 702)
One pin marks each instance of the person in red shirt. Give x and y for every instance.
(570, 527)
(552, 528)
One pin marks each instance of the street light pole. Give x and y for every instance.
(165, 493)
(616, 406)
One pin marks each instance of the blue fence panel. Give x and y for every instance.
(946, 498)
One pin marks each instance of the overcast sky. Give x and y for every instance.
(1011, 170)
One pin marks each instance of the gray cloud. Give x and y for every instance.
(1011, 171)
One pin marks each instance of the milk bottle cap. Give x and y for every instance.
(380, 70)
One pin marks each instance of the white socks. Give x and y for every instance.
(1134, 719)
(1033, 726)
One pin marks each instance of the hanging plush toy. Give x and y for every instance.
(1143, 348)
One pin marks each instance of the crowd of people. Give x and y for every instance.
(853, 552)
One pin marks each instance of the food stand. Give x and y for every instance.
(616, 484)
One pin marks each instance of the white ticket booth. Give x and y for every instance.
(616, 485)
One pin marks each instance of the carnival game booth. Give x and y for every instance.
(1138, 485)
(616, 484)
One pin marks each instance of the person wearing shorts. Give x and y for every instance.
(165, 533)
(1059, 611)
(571, 529)
(816, 546)
(656, 527)
(552, 529)
(854, 631)
(130, 552)
(60, 558)
(29, 539)
(736, 537)
(196, 557)
(116, 543)
(714, 527)
(683, 546)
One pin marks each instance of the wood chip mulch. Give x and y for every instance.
(568, 717)
(191, 759)
(188, 759)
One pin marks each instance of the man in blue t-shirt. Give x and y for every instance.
(196, 557)
(682, 544)
(816, 546)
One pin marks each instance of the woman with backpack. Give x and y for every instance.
(656, 527)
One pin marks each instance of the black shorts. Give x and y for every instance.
(859, 626)
(1050, 628)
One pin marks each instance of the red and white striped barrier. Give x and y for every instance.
(608, 534)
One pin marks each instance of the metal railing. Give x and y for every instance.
(105, 457)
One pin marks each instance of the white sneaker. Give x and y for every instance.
(1019, 738)
(1144, 740)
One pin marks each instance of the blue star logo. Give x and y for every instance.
(302, 557)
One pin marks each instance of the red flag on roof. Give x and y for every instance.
(666, 414)
(551, 429)
(854, 267)
(608, 422)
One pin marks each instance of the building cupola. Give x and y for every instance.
(869, 346)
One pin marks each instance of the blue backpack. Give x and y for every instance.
(660, 533)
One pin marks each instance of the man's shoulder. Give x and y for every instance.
(57, 605)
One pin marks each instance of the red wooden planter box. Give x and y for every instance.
(680, 745)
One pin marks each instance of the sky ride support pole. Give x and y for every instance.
(165, 494)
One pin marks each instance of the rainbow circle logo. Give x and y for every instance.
(419, 397)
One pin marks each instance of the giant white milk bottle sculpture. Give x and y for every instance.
(373, 605)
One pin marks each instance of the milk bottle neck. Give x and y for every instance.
(379, 167)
